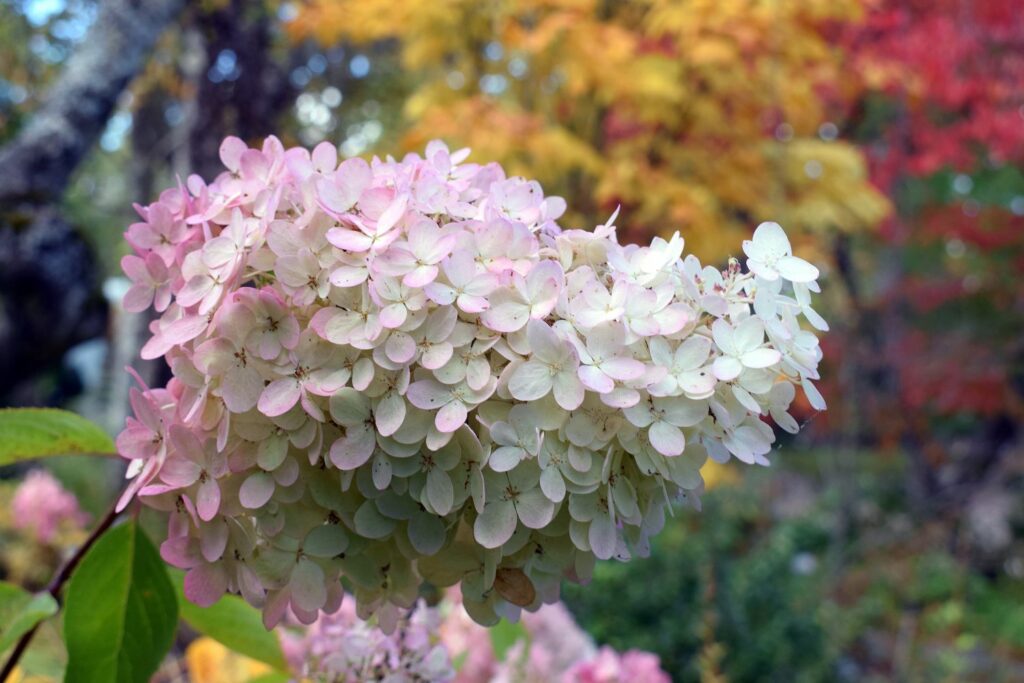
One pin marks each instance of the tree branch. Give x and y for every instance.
(40, 160)
(55, 585)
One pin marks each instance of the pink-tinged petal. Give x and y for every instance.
(275, 608)
(136, 442)
(231, 151)
(138, 298)
(185, 329)
(450, 417)
(621, 397)
(254, 165)
(473, 304)
(436, 356)
(393, 316)
(673, 318)
(428, 394)
(280, 396)
(310, 406)
(256, 490)
(241, 389)
(196, 290)
(400, 347)
(325, 157)
(206, 584)
(180, 552)
(162, 299)
(420, 277)
(506, 315)
(348, 276)
(543, 285)
(349, 240)
(667, 439)
(186, 444)
(213, 540)
(392, 214)
(440, 294)
(179, 473)
(354, 449)
(307, 585)
(623, 369)
(208, 499)
(697, 383)
(595, 380)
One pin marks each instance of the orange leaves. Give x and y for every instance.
(700, 115)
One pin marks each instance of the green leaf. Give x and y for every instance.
(121, 612)
(20, 611)
(506, 634)
(27, 433)
(273, 677)
(233, 623)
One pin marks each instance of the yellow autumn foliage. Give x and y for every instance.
(210, 662)
(695, 115)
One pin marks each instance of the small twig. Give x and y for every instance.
(55, 585)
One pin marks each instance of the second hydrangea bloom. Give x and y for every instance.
(407, 371)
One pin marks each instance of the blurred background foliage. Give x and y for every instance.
(886, 135)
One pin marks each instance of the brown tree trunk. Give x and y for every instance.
(49, 281)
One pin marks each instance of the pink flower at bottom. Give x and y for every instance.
(609, 666)
(41, 506)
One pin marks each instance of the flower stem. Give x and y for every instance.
(55, 586)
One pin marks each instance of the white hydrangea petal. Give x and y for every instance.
(389, 413)
(256, 490)
(761, 358)
(534, 508)
(451, 416)
(814, 396)
(505, 458)
(552, 484)
(795, 269)
(326, 540)
(726, 368)
(603, 537)
(530, 381)
(496, 524)
(354, 449)
(369, 522)
(667, 439)
(307, 586)
(568, 390)
(440, 491)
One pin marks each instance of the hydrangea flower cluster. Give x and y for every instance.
(610, 666)
(342, 647)
(429, 640)
(405, 371)
(43, 507)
